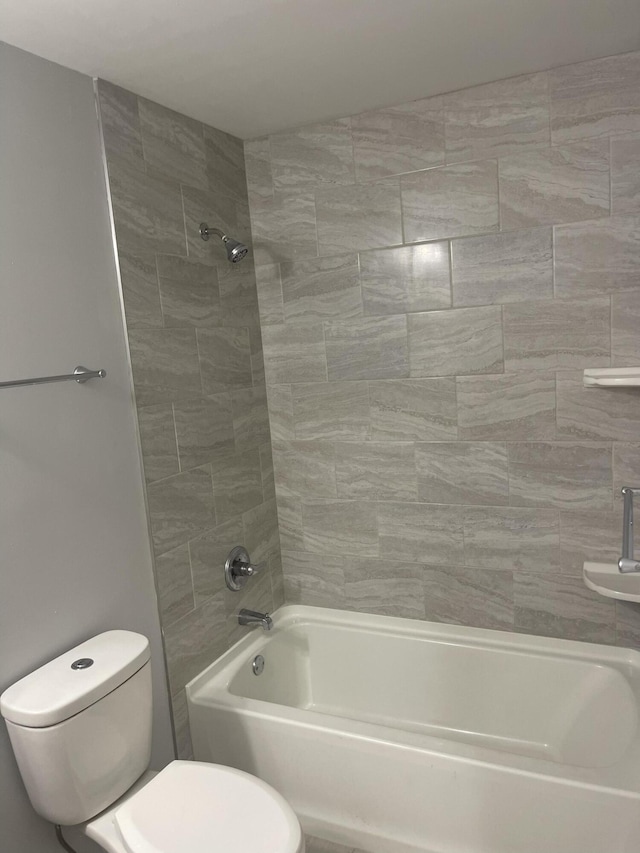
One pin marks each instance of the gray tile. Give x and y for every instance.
(510, 406)
(363, 216)
(451, 201)
(557, 333)
(175, 590)
(189, 292)
(237, 484)
(257, 162)
(420, 533)
(260, 525)
(250, 417)
(277, 583)
(314, 580)
(218, 211)
(195, 641)
(280, 404)
(204, 430)
(562, 606)
(512, 538)
(290, 524)
(406, 279)
(595, 98)
(596, 258)
(225, 359)
(238, 295)
(254, 596)
(158, 442)
(267, 470)
(625, 322)
(147, 211)
(595, 413)
(305, 468)
(590, 535)
(120, 124)
(343, 527)
(375, 586)
(312, 155)
(625, 174)
(462, 473)
(515, 266)
(497, 118)
(331, 410)
(628, 624)
(626, 472)
(284, 227)
(180, 713)
(321, 288)
(225, 163)
(180, 508)
(563, 184)
(208, 554)
(173, 144)
(165, 365)
(140, 290)
(462, 341)
(269, 288)
(413, 409)
(294, 354)
(482, 598)
(320, 845)
(566, 475)
(376, 470)
(403, 138)
(372, 348)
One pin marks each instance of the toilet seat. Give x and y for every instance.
(194, 807)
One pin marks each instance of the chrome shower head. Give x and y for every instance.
(235, 251)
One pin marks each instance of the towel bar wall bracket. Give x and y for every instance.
(80, 375)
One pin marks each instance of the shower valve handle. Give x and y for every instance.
(239, 568)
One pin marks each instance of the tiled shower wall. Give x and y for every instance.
(196, 352)
(432, 280)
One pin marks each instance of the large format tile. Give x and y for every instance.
(591, 535)
(175, 589)
(625, 174)
(321, 288)
(284, 227)
(312, 155)
(180, 715)
(225, 163)
(557, 333)
(250, 417)
(595, 413)
(180, 508)
(497, 118)
(165, 365)
(194, 641)
(420, 533)
(482, 598)
(600, 257)
(512, 538)
(260, 537)
(189, 292)
(208, 554)
(397, 139)
(158, 442)
(562, 606)
(290, 524)
(312, 579)
(331, 410)
(515, 266)
(374, 586)
(305, 469)
(225, 359)
(204, 430)
(628, 624)
(340, 527)
(363, 216)
(467, 340)
(595, 98)
(625, 322)
(626, 472)
(562, 474)
(237, 483)
(173, 144)
(405, 279)
(257, 162)
(372, 348)
(510, 406)
(294, 353)
(140, 290)
(462, 473)
(451, 201)
(269, 292)
(120, 124)
(375, 470)
(413, 409)
(218, 211)
(280, 404)
(563, 184)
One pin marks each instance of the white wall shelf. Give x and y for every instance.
(612, 377)
(606, 579)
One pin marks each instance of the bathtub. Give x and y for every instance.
(397, 736)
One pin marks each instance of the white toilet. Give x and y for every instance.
(80, 727)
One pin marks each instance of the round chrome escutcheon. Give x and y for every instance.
(257, 665)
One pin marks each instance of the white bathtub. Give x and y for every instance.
(395, 735)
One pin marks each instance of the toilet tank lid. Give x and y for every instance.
(57, 691)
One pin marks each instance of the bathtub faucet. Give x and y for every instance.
(253, 617)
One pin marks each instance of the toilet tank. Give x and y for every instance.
(80, 726)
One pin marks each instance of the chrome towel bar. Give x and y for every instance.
(80, 374)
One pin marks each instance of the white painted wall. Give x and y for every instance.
(74, 551)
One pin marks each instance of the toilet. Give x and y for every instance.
(80, 727)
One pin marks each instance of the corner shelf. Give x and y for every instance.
(612, 377)
(605, 579)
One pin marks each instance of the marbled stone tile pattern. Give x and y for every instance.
(194, 334)
(432, 278)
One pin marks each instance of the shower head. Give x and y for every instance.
(235, 251)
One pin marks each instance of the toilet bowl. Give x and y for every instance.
(80, 728)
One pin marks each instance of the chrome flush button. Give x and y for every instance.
(82, 663)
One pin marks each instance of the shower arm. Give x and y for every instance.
(206, 232)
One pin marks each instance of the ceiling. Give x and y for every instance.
(251, 67)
